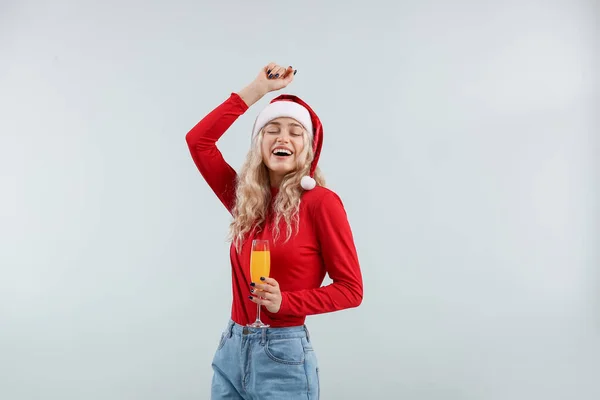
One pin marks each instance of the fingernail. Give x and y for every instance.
(262, 278)
(250, 297)
(270, 75)
(276, 75)
(253, 284)
(295, 71)
(269, 71)
(251, 290)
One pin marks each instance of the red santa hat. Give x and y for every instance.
(287, 105)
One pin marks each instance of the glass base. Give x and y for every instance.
(258, 324)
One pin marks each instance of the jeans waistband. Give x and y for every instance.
(234, 328)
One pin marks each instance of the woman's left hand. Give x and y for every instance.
(267, 294)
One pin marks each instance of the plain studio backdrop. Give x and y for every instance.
(462, 137)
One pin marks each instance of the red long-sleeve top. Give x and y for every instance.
(324, 243)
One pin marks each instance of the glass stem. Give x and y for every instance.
(258, 312)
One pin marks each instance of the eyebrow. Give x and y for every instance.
(291, 123)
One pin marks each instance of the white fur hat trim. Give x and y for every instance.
(280, 109)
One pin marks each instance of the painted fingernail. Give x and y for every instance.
(251, 290)
(295, 71)
(276, 75)
(262, 278)
(270, 75)
(253, 284)
(269, 71)
(250, 297)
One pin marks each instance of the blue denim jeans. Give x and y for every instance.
(265, 364)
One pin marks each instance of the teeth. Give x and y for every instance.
(285, 151)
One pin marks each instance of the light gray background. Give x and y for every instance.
(462, 137)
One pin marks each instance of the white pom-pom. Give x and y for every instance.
(308, 183)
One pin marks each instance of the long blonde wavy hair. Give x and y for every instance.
(253, 193)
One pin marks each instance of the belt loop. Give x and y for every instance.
(263, 337)
(230, 329)
(307, 334)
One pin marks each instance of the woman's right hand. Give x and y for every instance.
(274, 77)
(271, 77)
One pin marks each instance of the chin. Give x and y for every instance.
(281, 171)
(281, 167)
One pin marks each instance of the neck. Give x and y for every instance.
(275, 179)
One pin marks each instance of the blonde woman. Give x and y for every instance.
(279, 196)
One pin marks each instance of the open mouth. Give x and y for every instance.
(280, 152)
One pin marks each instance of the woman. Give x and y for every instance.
(280, 196)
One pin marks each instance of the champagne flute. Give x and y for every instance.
(260, 265)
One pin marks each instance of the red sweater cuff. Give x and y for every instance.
(239, 101)
(283, 309)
